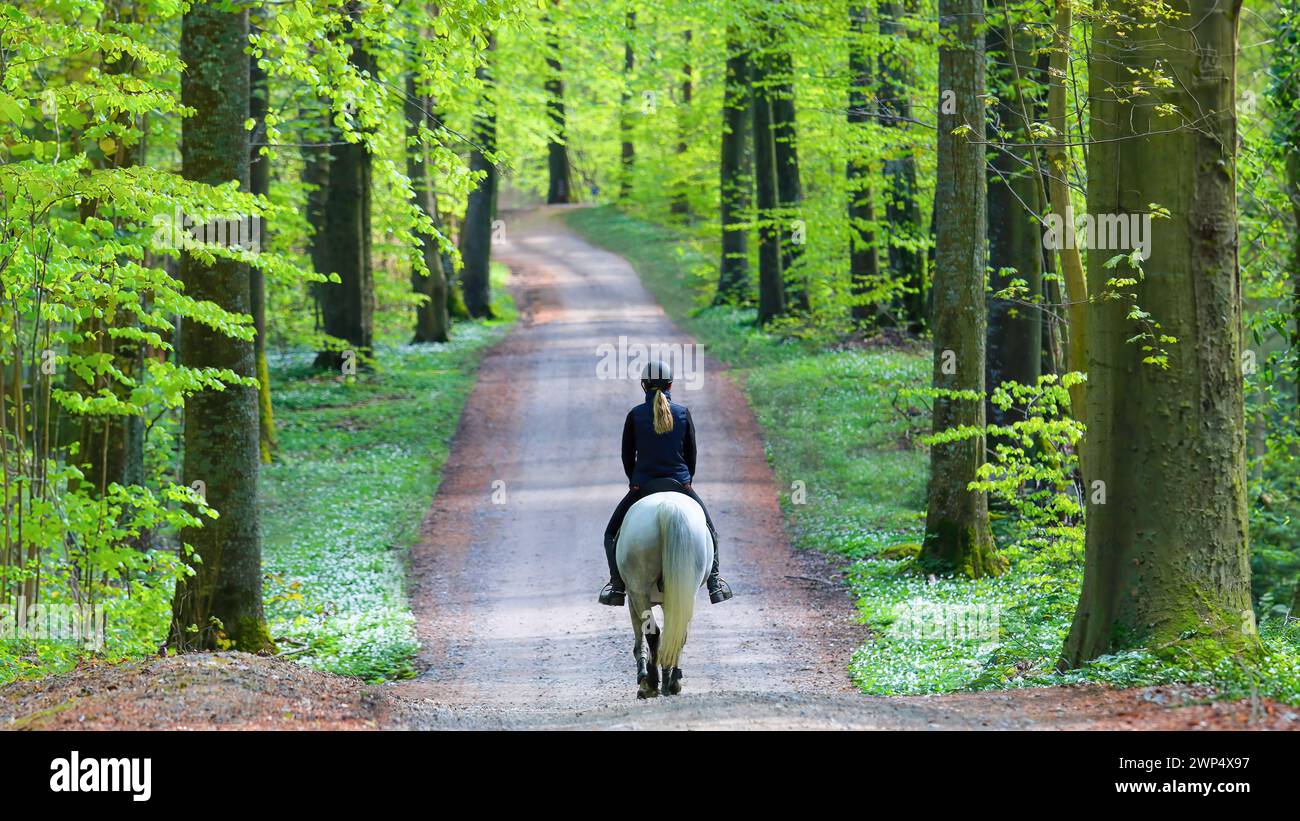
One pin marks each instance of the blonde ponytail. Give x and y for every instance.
(663, 414)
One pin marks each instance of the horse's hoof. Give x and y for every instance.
(646, 691)
(672, 683)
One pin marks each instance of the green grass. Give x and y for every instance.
(833, 420)
(360, 460)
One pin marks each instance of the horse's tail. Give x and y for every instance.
(681, 579)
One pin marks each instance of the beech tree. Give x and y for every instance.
(1167, 564)
(481, 208)
(220, 605)
(259, 176)
(958, 537)
(348, 307)
(771, 268)
(902, 207)
(1015, 333)
(735, 179)
(864, 257)
(557, 148)
(627, 149)
(432, 322)
(785, 147)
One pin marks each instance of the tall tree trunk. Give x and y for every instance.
(864, 258)
(221, 604)
(1285, 94)
(1015, 333)
(480, 210)
(958, 537)
(557, 148)
(735, 184)
(771, 274)
(680, 205)
(1167, 565)
(1293, 186)
(349, 307)
(431, 320)
(316, 179)
(259, 174)
(902, 207)
(627, 153)
(789, 188)
(1058, 171)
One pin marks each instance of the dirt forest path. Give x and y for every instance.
(505, 594)
(505, 591)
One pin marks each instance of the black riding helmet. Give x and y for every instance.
(657, 375)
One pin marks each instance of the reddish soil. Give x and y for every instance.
(195, 692)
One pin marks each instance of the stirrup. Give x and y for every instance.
(612, 596)
(719, 591)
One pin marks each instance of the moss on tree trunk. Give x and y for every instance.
(221, 604)
(1167, 564)
(958, 538)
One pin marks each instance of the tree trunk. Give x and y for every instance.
(480, 210)
(557, 149)
(680, 206)
(902, 208)
(1167, 565)
(1015, 334)
(733, 273)
(316, 178)
(789, 188)
(1293, 185)
(259, 174)
(221, 604)
(958, 538)
(627, 153)
(431, 321)
(348, 309)
(864, 258)
(1058, 170)
(771, 275)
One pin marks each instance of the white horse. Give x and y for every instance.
(665, 538)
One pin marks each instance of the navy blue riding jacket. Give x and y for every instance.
(648, 455)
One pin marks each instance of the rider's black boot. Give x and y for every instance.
(614, 594)
(719, 590)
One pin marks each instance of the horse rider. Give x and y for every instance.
(658, 456)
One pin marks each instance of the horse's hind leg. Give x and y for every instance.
(638, 651)
(643, 624)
